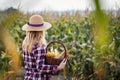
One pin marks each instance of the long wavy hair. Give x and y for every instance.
(33, 37)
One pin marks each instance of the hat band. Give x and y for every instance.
(35, 25)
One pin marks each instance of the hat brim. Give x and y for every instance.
(46, 26)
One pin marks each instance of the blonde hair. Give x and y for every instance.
(33, 37)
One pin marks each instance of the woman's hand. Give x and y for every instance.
(62, 64)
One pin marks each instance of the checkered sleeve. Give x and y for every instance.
(40, 61)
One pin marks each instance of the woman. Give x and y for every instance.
(34, 50)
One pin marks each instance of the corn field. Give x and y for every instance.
(92, 41)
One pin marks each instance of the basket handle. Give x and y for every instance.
(52, 42)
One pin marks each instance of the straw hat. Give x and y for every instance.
(36, 23)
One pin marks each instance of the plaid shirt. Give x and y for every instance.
(34, 64)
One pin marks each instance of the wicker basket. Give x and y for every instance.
(54, 61)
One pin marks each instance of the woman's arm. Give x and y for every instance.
(40, 61)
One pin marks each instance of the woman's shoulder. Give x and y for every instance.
(39, 47)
